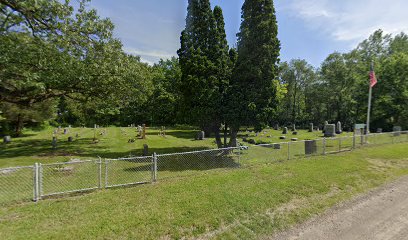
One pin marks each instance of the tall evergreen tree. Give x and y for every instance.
(203, 57)
(254, 87)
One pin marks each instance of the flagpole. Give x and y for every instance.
(370, 91)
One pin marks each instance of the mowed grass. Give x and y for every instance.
(35, 146)
(251, 202)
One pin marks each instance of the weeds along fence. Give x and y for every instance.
(45, 180)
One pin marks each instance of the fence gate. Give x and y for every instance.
(128, 171)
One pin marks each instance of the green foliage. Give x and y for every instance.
(299, 78)
(50, 51)
(205, 66)
(17, 116)
(254, 91)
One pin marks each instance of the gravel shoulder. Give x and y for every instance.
(380, 214)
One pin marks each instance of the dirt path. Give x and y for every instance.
(381, 214)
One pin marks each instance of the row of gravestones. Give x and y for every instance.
(329, 130)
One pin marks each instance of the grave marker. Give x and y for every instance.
(145, 150)
(310, 147)
(6, 139)
(54, 142)
(330, 130)
(338, 128)
(310, 127)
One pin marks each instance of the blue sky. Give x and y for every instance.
(308, 29)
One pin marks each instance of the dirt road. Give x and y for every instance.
(381, 214)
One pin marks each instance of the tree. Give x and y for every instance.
(17, 116)
(298, 76)
(204, 57)
(49, 50)
(254, 85)
(338, 87)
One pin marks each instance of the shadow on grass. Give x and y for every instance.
(186, 162)
(190, 134)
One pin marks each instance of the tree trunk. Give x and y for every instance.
(218, 137)
(19, 125)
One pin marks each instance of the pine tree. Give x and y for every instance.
(254, 84)
(204, 63)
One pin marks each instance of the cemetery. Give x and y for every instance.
(187, 120)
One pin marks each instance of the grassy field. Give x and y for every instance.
(35, 146)
(244, 203)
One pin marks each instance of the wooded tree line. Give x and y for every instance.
(63, 65)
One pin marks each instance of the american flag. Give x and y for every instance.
(373, 79)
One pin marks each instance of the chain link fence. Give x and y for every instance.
(16, 184)
(44, 180)
(68, 177)
(128, 171)
(193, 163)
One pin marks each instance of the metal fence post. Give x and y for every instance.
(36, 182)
(239, 154)
(324, 146)
(354, 140)
(40, 181)
(100, 173)
(106, 172)
(154, 167)
(288, 150)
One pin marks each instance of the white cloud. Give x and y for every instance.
(350, 20)
(150, 57)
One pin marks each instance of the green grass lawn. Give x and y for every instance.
(245, 203)
(36, 146)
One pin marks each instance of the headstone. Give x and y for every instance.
(294, 128)
(294, 139)
(310, 127)
(295, 133)
(70, 139)
(285, 130)
(54, 142)
(276, 127)
(310, 147)
(330, 130)
(282, 137)
(145, 150)
(200, 135)
(276, 146)
(379, 130)
(6, 139)
(338, 128)
(397, 130)
(324, 126)
(55, 131)
(65, 131)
